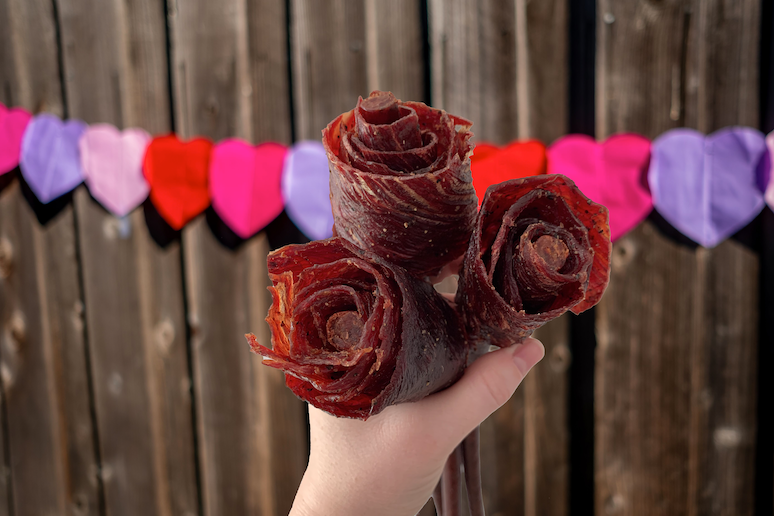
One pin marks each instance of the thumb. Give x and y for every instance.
(486, 386)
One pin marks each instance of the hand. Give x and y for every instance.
(390, 464)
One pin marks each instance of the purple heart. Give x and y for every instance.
(306, 191)
(708, 187)
(50, 160)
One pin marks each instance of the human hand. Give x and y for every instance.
(390, 464)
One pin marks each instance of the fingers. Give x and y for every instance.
(485, 387)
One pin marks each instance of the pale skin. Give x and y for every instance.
(389, 464)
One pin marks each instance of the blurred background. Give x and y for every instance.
(127, 385)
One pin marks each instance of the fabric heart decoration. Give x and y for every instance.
(112, 166)
(491, 165)
(50, 160)
(246, 184)
(177, 173)
(306, 190)
(611, 173)
(13, 123)
(769, 195)
(708, 187)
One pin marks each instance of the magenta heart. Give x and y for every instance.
(112, 166)
(245, 184)
(612, 173)
(13, 123)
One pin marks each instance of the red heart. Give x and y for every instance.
(177, 173)
(491, 165)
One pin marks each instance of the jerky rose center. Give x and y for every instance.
(389, 133)
(344, 330)
(552, 250)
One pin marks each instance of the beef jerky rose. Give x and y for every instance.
(354, 337)
(539, 248)
(400, 182)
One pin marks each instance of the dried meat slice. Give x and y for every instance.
(539, 248)
(354, 337)
(400, 182)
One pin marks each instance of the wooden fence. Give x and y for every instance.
(127, 386)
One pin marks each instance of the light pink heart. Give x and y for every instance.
(612, 173)
(245, 184)
(13, 123)
(112, 166)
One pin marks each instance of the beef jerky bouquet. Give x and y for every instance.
(356, 324)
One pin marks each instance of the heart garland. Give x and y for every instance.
(708, 187)
(492, 165)
(50, 160)
(306, 191)
(177, 173)
(611, 173)
(13, 123)
(245, 184)
(112, 166)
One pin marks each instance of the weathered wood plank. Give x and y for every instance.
(546, 425)
(504, 66)
(329, 63)
(676, 365)
(230, 79)
(115, 67)
(394, 43)
(53, 467)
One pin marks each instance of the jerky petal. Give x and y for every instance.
(354, 337)
(539, 248)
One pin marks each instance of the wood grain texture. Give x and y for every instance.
(230, 79)
(503, 65)
(394, 42)
(329, 61)
(546, 425)
(51, 442)
(676, 365)
(114, 56)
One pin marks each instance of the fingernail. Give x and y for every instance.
(528, 354)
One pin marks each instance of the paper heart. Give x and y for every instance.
(50, 160)
(177, 173)
(306, 190)
(611, 173)
(246, 184)
(112, 166)
(708, 187)
(491, 165)
(13, 123)
(769, 181)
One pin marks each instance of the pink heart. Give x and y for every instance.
(112, 166)
(245, 184)
(13, 123)
(612, 173)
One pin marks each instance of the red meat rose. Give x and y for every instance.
(539, 248)
(400, 182)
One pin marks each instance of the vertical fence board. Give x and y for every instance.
(253, 440)
(42, 357)
(504, 66)
(675, 402)
(394, 43)
(329, 64)
(116, 72)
